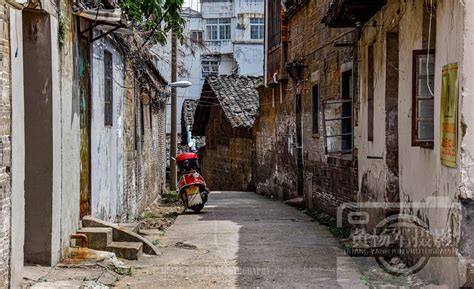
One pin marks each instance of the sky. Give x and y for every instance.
(191, 3)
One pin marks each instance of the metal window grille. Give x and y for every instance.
(108, 89)
(338, 134)
(423, 98)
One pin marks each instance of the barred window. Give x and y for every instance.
(108, 89)
(210, 67)
(423, 98)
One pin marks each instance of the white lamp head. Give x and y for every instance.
(180, 84)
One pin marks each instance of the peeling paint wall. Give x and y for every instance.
(5, 149)
(70, 129)
(421, 173)
(106, 141)
(18, 150)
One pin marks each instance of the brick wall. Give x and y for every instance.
(328, 180)
(144, 148)
(227, 158)
(5, 148)
(275, 134)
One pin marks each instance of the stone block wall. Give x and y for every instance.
(5, 147)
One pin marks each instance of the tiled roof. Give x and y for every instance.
(236, 95)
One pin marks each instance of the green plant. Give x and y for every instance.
(62, 30)
(156, 17)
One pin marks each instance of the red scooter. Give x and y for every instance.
(191, 186)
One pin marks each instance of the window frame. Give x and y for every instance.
(197, 36)
(108, 89)
(346, 100)
(427, 144)
(219, 25)
(209, 72)
(259, 25)
(341, 118)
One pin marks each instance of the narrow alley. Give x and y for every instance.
(236, 144)
(245, 240)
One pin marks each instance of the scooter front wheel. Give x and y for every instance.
(197, 209)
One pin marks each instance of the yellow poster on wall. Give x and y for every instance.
(449, 112)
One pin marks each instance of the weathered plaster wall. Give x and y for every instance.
(421, 173)
(106, 141)
(5, 149)
(70, 129)
(467, 145)
(42, 139)
(249, 58)
(467, 142)
(18, 150)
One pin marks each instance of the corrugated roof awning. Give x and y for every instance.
(112, 16)
(109, 20)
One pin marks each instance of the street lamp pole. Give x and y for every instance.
(174, 114)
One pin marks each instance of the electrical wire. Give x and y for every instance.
(428, 55)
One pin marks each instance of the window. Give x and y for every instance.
(108, 89)
(210, 67)
(423, 98)
(370, 93)
(218, 29)
(315, 96)
(338, 119)
(257, 28)
(196, 36)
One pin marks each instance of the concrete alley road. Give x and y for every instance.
(245, 240)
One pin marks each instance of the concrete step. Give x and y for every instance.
(120, 234)
(126, 250)
(99, 238)
(129, 227)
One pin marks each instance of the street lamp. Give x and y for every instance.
(174, 130)
(180, 84)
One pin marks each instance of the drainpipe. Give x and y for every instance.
(83, 238)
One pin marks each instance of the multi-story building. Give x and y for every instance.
(224, 38)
